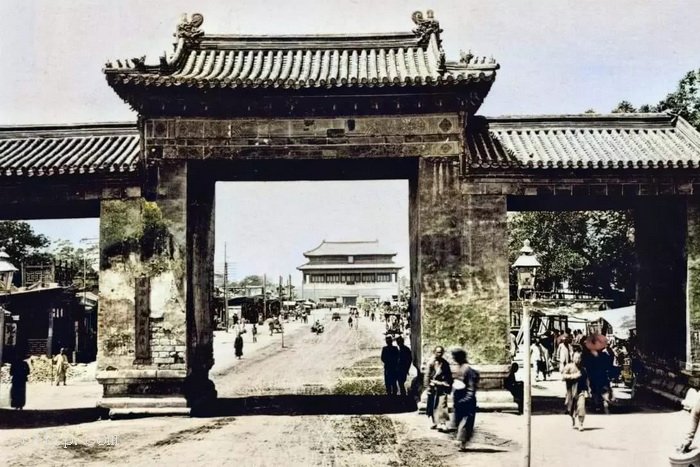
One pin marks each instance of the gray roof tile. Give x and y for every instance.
(68, 149)
(589, 141)
(312, 61)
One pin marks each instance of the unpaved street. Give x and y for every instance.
(279, 416)
(307, 363)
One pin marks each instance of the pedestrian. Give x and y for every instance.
(272, 327)
(564, 353)
(61, 366)
(238, 346)
(464, 387)
(513, 345)
(254, 333)
(690, 434)
(596, 365)
(371, 316)
(390, 359)
(514, 386)
(577, 389)
(539, 357)
(19, 373)
(350, 321)
(405, 362)
(438, 380)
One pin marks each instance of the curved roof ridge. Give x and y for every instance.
(349, 248)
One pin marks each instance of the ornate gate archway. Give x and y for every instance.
(347, 107)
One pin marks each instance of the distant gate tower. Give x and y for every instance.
(348, 272)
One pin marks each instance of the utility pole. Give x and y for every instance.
(264, 296)
(281, 289)
(225, 290)
(289, 285)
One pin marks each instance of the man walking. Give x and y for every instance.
(390, 359)
(61, 366)
(254, 333)
(405, 361)
(465, 382)
(438, 380)
(564, 353)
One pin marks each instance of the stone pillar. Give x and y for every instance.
(200, 306)
(660, 233)
(692, 354)
(463, 268)
(155, 332)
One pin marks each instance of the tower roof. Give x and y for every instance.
(352, 248)
(200, 60)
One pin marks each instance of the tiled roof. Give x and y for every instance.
(68, 149)
(589, 141)
(217, 61)
(6, 266)
(349, 249)
(349, 266)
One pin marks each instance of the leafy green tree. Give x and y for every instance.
(685, 100)
(593, 251)
(20, 241)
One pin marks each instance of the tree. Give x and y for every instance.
(593, 251)
(251, 280)
(83, 261)
(20, 242)
(624, 107)
(684, 101)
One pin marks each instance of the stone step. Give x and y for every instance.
(136, 412)
(142, 402)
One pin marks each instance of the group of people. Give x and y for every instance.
(397, 360)
(459, 381)
(19, 375)
(588, 368)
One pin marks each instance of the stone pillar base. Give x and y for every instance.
(144, 406)
(127, 383)
(139, 393)
(490, 394)
(688, 459)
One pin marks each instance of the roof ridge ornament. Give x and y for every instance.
(189, 29)
(465, 57)
(426, 26)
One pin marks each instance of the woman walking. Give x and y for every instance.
(576, 379)
(19, 371)
(238, 346)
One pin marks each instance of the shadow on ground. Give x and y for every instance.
(46, 418)
(644, 401)
(296, 404)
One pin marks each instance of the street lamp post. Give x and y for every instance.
(526, 267)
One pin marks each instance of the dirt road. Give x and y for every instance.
(308, 363)
(313, 364)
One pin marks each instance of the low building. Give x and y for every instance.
(41, 317)
(349, 272)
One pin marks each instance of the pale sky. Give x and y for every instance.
(556, 56)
